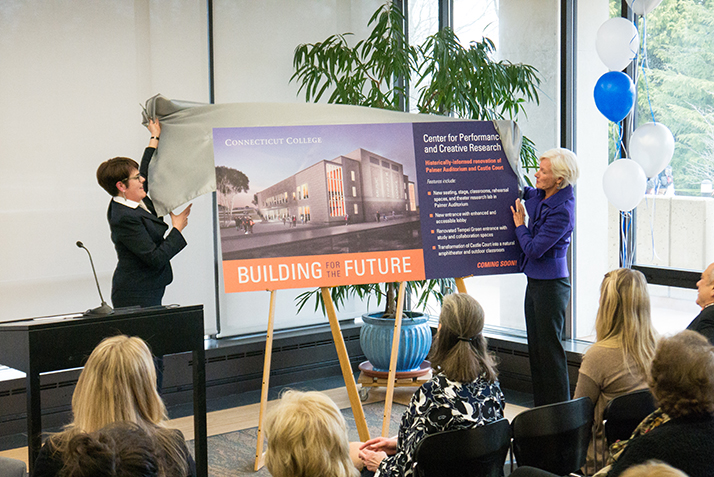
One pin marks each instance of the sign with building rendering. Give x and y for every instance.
(306, 206)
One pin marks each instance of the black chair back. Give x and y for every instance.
(476, 452)
(624, 413)
(554, 437)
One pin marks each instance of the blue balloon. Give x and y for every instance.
(614, 95)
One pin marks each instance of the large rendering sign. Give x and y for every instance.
(306, 206)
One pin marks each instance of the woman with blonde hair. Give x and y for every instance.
(463, 393)
(653, 468)
(544, 241)
(618, 362)
(307, 437)
(118, 384)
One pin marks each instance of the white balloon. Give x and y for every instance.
(643, 7)
(625, 184)
(617, 43)
(652, 147)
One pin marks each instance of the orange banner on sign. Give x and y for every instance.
(322, 270)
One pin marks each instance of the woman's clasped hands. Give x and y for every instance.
(375, 450)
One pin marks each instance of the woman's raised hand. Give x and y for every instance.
(519, 213)
(154, 127)
(180, 221)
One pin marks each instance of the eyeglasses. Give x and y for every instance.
(136, 177)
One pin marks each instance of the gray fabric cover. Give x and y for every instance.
(12, 467)
(512, 139)
(183, 167)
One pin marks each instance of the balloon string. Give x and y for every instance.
(626, 255)
(646, 61)
(623, 233)
(646, 66)
(618, 140)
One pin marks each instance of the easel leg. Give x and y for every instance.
(259, 458)
(393, 361)
(350, 384)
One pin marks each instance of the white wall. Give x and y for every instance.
(591, 234)
(72, 77)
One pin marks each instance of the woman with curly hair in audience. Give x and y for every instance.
(307, 437)
(619, 361)
(682, 382)
(118, 384)
(463, 393)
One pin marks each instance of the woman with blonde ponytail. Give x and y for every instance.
(464, 391)
(619, 361)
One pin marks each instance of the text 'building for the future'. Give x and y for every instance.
(357, 187)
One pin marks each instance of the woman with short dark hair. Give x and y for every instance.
(463, 393)
(144, 250)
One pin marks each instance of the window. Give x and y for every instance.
(336, 195)
(354, 191)
(423, 20)
(474, 20)
(671, 228)
(502, 295)
(352, 175)
(674, 225)
(302, 192)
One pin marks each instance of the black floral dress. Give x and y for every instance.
(441, 405)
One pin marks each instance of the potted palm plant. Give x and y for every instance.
(451, 79)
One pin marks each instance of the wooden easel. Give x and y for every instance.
(350, 384)
(343, 357)
(386, 419)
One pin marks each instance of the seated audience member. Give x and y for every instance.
(619, 360)
(656, 419)
(704, 322)
(682, 382)
(463, 393)
(650, 469)
(122, 449)
(653, 468)
(307, 437)
(118, 384)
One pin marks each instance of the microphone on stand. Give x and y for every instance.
(103, 309)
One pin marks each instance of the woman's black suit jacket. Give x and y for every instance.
(144, 253)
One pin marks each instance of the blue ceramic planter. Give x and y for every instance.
(375, 337)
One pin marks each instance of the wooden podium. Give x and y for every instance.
(40, 345)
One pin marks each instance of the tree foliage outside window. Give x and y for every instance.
(450, 79)
(677, 85)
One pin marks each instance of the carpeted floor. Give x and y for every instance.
(233, 454)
